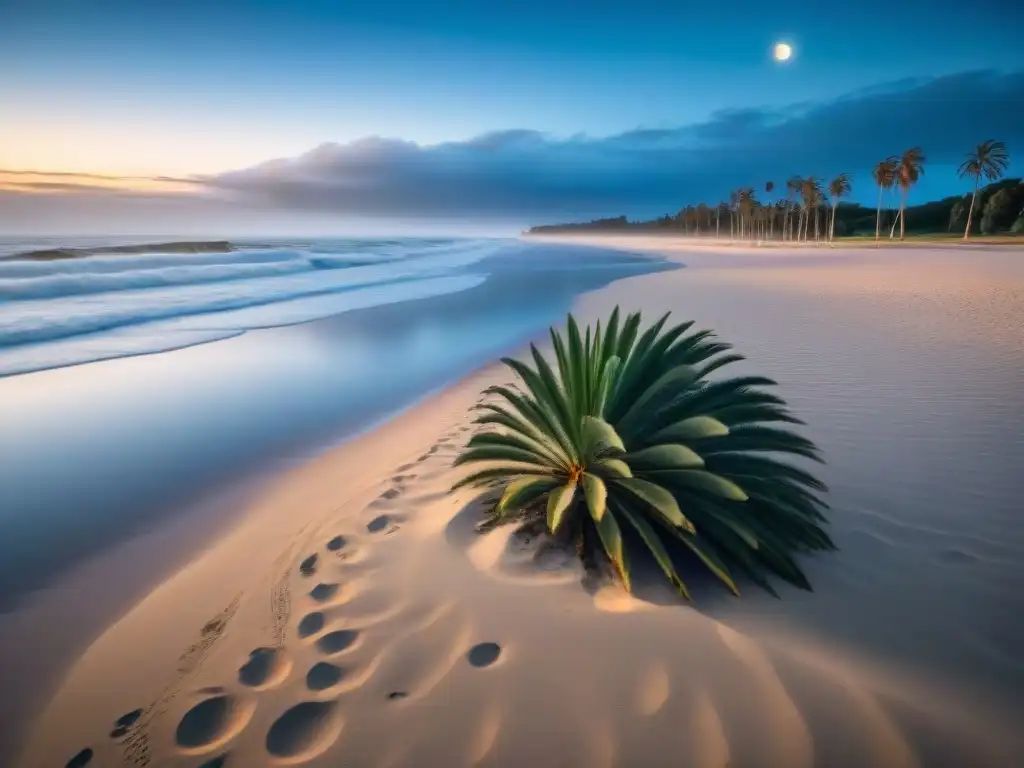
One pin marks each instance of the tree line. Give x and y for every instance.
(808, 208)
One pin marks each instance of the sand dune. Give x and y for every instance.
(356, 617)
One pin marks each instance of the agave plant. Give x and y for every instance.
(627, 438)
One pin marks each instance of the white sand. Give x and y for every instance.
(366, 641)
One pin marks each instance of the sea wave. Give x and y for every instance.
(20, 268)
(187, 331)
(57, 285)
(59, 305)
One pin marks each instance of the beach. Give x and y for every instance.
(339, 607)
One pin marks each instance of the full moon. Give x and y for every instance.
(782, 52)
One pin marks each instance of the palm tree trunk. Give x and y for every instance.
(970, 212)
(903, 218)
(878, 215)
(832, 226)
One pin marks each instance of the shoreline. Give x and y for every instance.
(414, 632)
(672, 242)
(206, 521)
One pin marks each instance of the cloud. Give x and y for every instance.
(524, 176)
(523, 172)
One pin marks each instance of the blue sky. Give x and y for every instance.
(191, 88)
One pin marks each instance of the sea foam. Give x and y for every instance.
(97, 307)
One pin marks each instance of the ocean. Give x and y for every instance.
(61, 312)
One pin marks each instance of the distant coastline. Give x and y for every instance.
(185, 246)
(999, 219)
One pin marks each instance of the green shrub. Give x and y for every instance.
(628, 432)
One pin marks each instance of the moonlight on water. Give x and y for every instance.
(782, 51)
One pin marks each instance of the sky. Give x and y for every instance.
(216, 115)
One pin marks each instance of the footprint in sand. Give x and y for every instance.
(398, 695)
(405, 467)
(304, 731)
(391, 493)
(336, 543)
(213, 722)
(124, 722)
(265, 668)
(308, 566)
(378, 523)
(311, 624)
(218, 762)
(484, 654)
(337, 641)
(323, 592)
(80, 760)
(430, 452)
(323, 675)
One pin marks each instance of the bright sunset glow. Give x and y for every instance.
(782, 52)
(34, 182)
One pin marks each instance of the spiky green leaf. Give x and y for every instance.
(558, 504)
(668, 456)
(525, 490)
(598, 434)
(657, 498)
(693, 428)
(596, 494)
(611, 539)
(704, 481)
(654, 543)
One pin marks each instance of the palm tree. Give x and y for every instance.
(792, 190)
(810, 194)
(817, 211)
(989, 160)
(733, 207)
(838, 188)
(745, 201)
(703, 214)
(908, 171)
(628, 441)
(885, 178)
(768, 187)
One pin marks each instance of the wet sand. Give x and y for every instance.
(352, 615)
